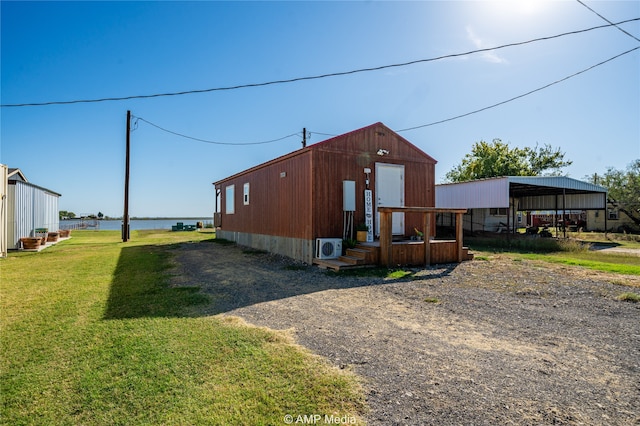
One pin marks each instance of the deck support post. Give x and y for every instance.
(426, 225)
(386, 250)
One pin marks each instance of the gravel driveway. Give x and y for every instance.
(485, 342)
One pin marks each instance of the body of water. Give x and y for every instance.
(134, 224)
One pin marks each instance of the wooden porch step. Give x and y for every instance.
(358, 253)
(334, 264)
(351, 260)
(372, 253)
(467, 255)
(354, 257)
(363, 256)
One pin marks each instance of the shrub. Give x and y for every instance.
(527, 244)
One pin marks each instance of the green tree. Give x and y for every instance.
(624, 189)
(64, 213)
(497, 158)
(100, 215)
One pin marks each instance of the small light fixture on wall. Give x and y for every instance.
(381, 152)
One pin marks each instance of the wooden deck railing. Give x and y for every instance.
(386, 221)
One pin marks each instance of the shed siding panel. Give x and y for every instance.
(573, 202)
(29, 208)
(346, 158)
(472, 195)
(364, 144)
(277, 205)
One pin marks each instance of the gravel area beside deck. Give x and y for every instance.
(484, 342)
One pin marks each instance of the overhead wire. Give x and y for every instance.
(322, 134)
(615, 25)
(409, 128)
(313, 77)
(520, 96)
(210, 141)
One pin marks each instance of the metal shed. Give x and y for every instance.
(495, 202)
(29, 207)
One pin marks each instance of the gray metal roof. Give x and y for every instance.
(535, 192)
(571, 186)
(20, 182)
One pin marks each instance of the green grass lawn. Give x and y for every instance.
(615, 263)
(574, 251)
(93, 334)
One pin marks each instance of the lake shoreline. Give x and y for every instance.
(134, 224)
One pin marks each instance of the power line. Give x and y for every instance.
(409, 128)
(522, 95)
(314, 77)
(615, 25)
(214, 142)
(322, 134)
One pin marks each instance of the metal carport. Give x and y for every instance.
(522, 193)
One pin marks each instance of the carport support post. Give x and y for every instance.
(508, 221)
(555, 216)
(564, 213)
(459, 233)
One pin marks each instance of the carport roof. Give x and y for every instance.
(520, 186)
(495, 192)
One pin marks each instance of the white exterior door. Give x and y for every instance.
(390, 193)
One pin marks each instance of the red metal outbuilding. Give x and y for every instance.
(284, 205)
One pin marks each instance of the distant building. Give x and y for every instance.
(611, 220)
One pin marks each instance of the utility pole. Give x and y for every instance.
(304, 137)
(125, 217)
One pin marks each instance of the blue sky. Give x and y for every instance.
(62, 51)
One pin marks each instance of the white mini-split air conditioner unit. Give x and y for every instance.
(328, 248)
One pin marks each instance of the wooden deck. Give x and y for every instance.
(404, 253)
(390, 253)
(390, 256)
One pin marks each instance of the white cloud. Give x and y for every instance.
(489, 56)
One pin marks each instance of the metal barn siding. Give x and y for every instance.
(20, 213)
(29, 207)
(573, 202)
(345, 157)
(486, 193)
(279, 199)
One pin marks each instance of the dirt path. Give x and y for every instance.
(484, 342)
(616, 250)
